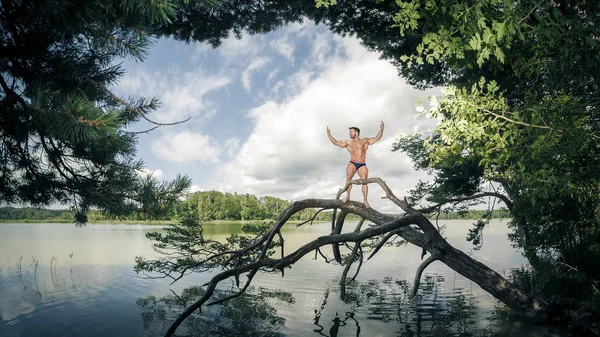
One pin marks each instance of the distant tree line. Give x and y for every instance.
(472, 214)
(211, 206)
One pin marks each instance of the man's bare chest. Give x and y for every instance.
(357, 146)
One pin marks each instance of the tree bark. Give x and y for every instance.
(413, 227)
(495, 284)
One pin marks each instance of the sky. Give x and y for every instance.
(259, 108)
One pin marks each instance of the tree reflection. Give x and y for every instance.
(382, 308)
(251, 314)
(433, 313)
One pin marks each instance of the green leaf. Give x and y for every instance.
(499, 54)
(487, 35)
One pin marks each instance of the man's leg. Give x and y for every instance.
(350, 171)
(363, 172)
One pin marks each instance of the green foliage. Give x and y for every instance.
(184, 249)
(570, 290)
(30, 213)
(214, 205)
(157, 202)
(64, 133)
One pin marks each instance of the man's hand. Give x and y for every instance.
(328, 131)
(382, 125)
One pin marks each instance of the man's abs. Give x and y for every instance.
(358, 152)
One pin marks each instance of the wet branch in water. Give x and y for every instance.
(187, 251)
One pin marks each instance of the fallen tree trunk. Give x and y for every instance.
(413, 227)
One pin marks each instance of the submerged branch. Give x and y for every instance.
(257, 255)
(289, 260)
(420, 270)
(350, 260)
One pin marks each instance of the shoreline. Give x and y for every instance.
(167, 222)
(145, 222)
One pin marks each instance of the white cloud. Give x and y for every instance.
(272, 75)
(185, 147)
(181, 94)
(288, 153)
(254, 66)
(233, 47)
(144, 172)
(231, 146)
(196, 188)
(283, 46)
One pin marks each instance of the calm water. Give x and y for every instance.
(59, 280)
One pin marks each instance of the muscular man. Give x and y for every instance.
(358, 154)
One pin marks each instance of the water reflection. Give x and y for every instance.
(337, 321)
(45, 290)
(385, 303)
(252, 314)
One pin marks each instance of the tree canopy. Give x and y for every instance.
(65, 136)
(520, 114)
(518, 121)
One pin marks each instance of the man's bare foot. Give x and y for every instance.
(367, 204)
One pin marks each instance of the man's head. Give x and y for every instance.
(354, 132)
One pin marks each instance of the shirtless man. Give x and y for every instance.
(358, 153)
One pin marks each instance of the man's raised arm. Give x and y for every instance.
(379, 134)
(339, 143)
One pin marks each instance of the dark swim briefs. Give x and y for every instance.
(358, 164)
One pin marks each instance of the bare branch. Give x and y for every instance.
(290, 259)
(388, 192)
(178, 297)
(318, 250)
(360, 262)
(145, 131)
(425, 236)
(471, 197)
(281, 242)
(337, 230)
(350, 260)
(420, 270)
(239, 293)
(311, 219)
(382, 243)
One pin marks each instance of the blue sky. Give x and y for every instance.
(259, 109)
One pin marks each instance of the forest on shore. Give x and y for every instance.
(212, 206)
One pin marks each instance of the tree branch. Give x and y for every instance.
(350, 260)
(139, 113)
(471, 197)
(289, 260)
(311, 219)
(337, 230)
(360, 262)
(388, 192)
(382, 243)
(425, 236)
(420, 270)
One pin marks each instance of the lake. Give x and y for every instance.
(60, 280)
